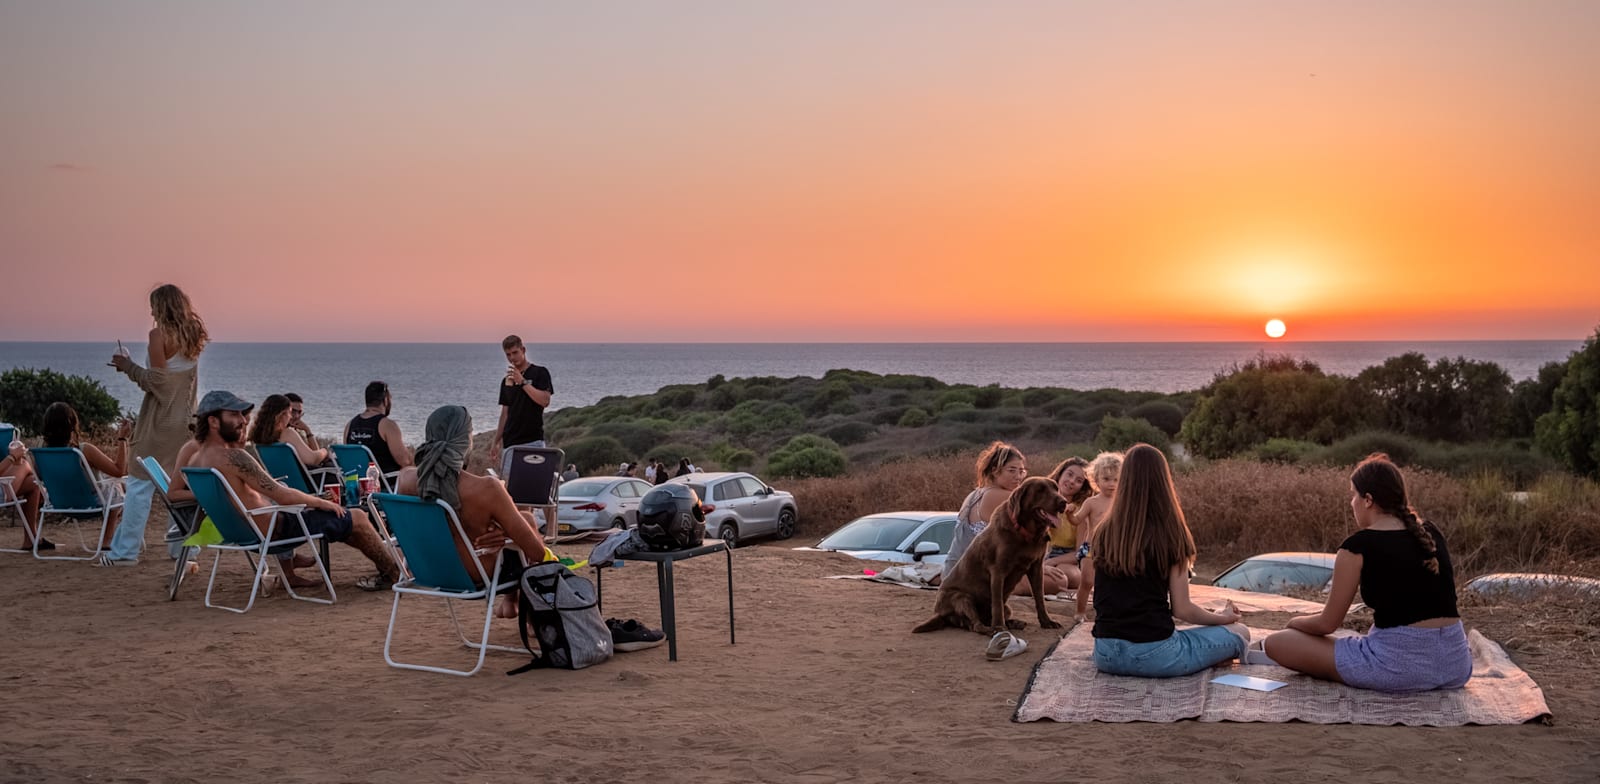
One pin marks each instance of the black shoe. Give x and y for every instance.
(630, 635)
(46, 544)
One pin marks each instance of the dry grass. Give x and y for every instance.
(1238, 508)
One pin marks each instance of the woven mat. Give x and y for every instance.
(1065, 686)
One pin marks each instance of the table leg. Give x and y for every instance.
(600, 589)
(669, 610)
(729, 552)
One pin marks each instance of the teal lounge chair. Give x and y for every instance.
(183, 519)
(240, 533)
(73, 490)
(357, 457)
(428, 532)
(284, 465)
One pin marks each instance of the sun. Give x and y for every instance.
(1276, 328)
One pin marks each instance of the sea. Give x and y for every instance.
(424, 376)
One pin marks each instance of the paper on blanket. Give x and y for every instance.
(1249, 682)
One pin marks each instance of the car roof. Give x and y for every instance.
(1301, 558)
(707, 476)
(920, 516)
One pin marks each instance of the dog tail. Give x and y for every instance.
(935, 623)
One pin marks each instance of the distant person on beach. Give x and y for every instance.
(662, 472)
(626, 469)
(373, 429)
(24, 486)
(1072, 480)
(1103, 473)
(650, 470)
(170, 386)
(60, 429)
(297, 423)
(525, 392)
(219, 425)
(1142, 554)
(486, 510)
(1402, 566)
(571, 473)
(683, 467)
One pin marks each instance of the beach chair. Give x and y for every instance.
(240, 533)
(533, 478)
(183, 520)
(284, 465)
(428, 532)
(357, 457)
(73, 490)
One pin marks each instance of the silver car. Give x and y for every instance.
(739, 506)
(901, 537)
(1278, 572)
(598, 503)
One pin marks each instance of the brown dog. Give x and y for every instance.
(973, 595)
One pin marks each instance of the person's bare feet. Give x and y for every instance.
(505, 605)
(304, 561)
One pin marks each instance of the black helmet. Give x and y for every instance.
(670, 517)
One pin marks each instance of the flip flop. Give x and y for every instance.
(374, 582)
(1004, 645)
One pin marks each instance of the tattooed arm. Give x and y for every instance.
(244, 467)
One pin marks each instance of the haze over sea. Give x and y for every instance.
(423, 376)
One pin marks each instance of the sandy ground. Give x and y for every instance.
(104, 680)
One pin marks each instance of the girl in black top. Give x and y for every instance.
(1402, 566)
(1141, 555)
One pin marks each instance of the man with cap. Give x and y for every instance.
(219, 423)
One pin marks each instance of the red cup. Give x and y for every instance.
(331, 492)
(368, 485)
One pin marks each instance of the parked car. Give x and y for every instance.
(1278, 572)
(739, 506)
(901, 537)
(598, 503)
(1522, 585)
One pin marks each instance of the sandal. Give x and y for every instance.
(375, 582)
(105, 559)
(1004, 645)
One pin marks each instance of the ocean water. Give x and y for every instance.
(424, 376)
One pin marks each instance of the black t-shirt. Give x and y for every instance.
(364, 430)
(1136, 609)
(1395, 583)
(525, 418)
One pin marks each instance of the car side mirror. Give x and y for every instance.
(924, 549)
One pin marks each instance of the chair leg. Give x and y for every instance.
(327, 581)
(179, 571)
(255, 584)
(482, 647)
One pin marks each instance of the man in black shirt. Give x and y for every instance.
(524, 393)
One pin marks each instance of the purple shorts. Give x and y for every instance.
(1405, 658)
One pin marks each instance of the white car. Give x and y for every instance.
(598, 503)
(1278, 572)
(901, 537)
(739, 506)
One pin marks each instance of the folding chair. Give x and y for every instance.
(428, 532)
(357, 457)
(533, 477)
(239, 532)
(71, 490)
(184, 520)
(285, 466)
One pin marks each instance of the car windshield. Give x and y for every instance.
(1273, 577)
(871, 533)
(583, 488)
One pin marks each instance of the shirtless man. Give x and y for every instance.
(487, 513)
(218, 426)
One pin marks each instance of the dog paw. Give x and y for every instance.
(1015, 625)
(1046, 623)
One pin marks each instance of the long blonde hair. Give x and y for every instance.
(179, 324)
(1145, 533)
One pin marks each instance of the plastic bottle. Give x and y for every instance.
(374, 478)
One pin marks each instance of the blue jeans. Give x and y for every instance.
(1186, 651)
(125, 544)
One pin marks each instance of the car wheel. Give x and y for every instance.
(729, 534)
(619, 524)
(786, 523)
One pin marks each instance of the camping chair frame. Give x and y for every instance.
(529, 469)
(107, 494)
(358, 457)
(240, 534)
(185, 520)
(435, 555)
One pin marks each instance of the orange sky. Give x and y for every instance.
(803, 172)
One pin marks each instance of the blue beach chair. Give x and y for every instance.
(428, 532)
(183, 519)
(73, 490)
(284, 465)
(239, 532)
(357, 457)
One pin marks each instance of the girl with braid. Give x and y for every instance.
(1401, 564)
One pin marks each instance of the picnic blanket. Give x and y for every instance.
(1065, 686)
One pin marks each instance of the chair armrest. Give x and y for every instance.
(290, 508)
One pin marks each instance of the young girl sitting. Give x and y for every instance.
(1142, 553)
(1103, 471)
(1072, 480)
(1400, 562)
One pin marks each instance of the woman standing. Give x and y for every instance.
(169, 384)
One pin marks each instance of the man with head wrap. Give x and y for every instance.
(486, 510)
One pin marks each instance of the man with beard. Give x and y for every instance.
(374, 430)
(219, 424)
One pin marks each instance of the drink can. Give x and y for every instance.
(331, 492)
(368, 485)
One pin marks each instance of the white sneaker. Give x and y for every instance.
(1256, 653)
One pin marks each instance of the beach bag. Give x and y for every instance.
(560, 612)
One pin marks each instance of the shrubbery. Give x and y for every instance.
(596, 452)
(1268, 397)
(26, 393)
(1118, 433)
(807, 456)
(914, 417)
(1166, 416)
(1570, 431)
(1285, 450)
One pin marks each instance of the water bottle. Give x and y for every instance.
(352, 488)
(374, 478)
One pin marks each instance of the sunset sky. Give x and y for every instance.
(803, 171)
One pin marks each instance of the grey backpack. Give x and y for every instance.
(561, 613)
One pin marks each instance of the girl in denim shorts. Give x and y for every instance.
(1141, 555)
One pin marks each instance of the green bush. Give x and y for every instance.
(958, 412)
(953, 397)
(636, 436)
(807, 456)
(1269, 397)
(762, 416)
(1346, 452)
(987, 397)
(26, 393)
(1160, 413)
(850, 432)
(1570, 431)
(1452, 400)
(739, 460)
(1118, 433)
(1284, 450)
(597, 453)
(914, 417)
